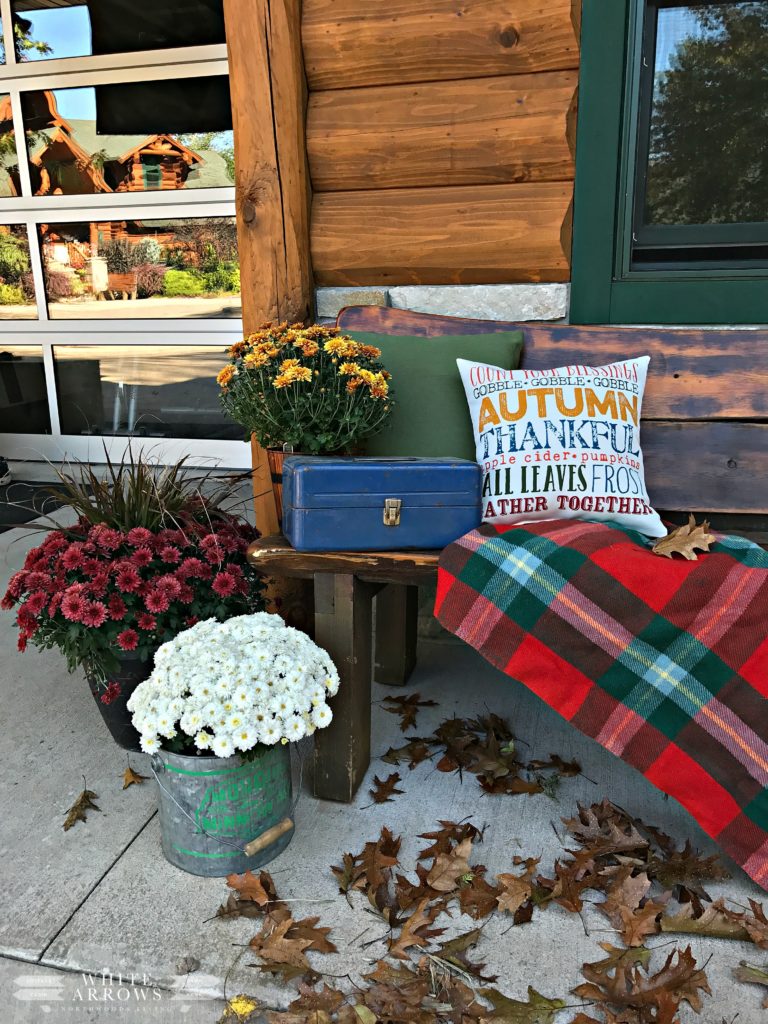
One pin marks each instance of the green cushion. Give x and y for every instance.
(430, 418)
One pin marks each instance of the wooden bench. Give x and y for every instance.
(705, 441)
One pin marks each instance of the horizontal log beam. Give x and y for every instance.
(491, 131)
(366, 42)
(490, 234)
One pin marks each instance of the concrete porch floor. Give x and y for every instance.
(100, 897)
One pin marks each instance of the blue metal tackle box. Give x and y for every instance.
(378, 504)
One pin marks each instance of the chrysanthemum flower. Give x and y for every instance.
(116, 607)
(223, 584)
(146, 622)
(128, 640)
(93, 614)
(139, 536)
(141, 557)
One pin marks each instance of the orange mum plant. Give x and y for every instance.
(308, 387)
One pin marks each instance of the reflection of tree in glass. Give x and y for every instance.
(25, 44)
(708, 160)
(217, 141)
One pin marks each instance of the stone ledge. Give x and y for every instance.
(486, 302)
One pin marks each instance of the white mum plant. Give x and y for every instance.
(223, 687)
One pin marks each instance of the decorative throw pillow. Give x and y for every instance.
(561, 444)
(429, 419)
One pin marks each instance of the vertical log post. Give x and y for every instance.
(272, 187)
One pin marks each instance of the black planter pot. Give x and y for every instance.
(116, 715)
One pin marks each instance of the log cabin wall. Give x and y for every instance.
(440, 140)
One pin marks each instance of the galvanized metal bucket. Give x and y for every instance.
(223, 815)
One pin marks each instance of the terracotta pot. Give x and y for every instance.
(116, 715)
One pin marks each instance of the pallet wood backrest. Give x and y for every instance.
(705, 412)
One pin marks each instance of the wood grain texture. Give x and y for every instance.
(343, 628)
(707, 467)
(396, 611)
(268, 91)
(275, 555)
(365, 42)
(272, 193)
(489, 131)
(490, 234)
(694, 374)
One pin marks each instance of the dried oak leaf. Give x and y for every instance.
(444, 838)
(308, 928)
(516, 889)
(407, 707)
(630, 986)
(279, 951)
(396, 993)
(568, 769)
(314, 1006)
(77, 812)
(627, 908)
(414, 752)
(603, 829)
(753, 976)
(477, 897)
(754, 921)
(384, 790)
(349, 873)
(416, 930)
(685, 540)
(683, 871)
(256, 897)
(455, 953)
(408, 892)
(566, 887)
(536, 1010)
(132, 778)
(448, 868)
(716, 921)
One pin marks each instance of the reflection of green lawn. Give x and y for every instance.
(158, 306)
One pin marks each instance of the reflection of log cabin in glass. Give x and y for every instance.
(71, 157)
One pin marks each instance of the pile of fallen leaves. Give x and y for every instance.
(484, 747)
(647, 883)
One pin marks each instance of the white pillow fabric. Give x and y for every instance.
(561, 444)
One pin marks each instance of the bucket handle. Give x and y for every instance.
(267, 838)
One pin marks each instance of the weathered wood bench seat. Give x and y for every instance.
(705, 441)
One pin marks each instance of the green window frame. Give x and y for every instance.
(605, 289)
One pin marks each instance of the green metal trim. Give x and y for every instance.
(603, 290)
(598, 131)
(213, 771)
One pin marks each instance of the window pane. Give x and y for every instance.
(130, 138)
(17, 289)
(2, 43)
(72, 28)
(147, 268)
(23, 397)
(141, 391)
(10, 184)
(708, 148)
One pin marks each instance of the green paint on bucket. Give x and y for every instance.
(211, 807)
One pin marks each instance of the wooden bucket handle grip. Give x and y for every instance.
(267, 838)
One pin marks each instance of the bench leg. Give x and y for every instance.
(343, 627)
(397, 615)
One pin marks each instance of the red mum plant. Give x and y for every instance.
(149, 554)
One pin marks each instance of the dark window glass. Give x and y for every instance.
(17, 288)
(142, 268)
(141, 391)
(130, 138)
(702, 182)
(44, 29)
(23, 396)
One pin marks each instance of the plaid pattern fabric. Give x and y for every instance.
(662, 661)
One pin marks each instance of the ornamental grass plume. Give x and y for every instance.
(226, 687)
(307, 387)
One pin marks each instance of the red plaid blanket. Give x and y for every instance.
(663, 662)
